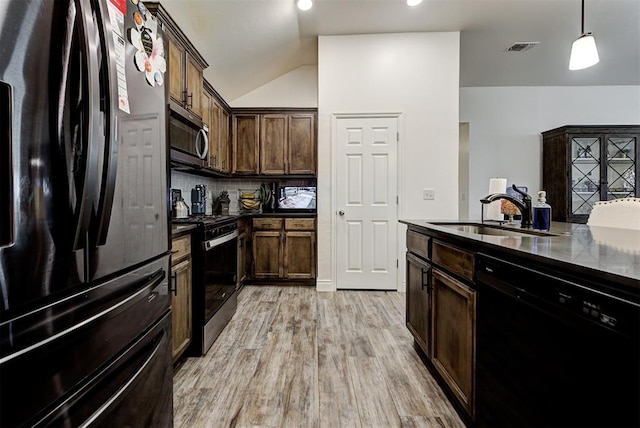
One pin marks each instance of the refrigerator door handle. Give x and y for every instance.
(110, 162)
(85, 179)
(6, 167)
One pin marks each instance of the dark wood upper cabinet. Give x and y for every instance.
(286, 143)
(301, 153)
(246, 135)
(215, 112)
(273, 143)
(585, 164)
(185, 64)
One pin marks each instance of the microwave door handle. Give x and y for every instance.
(6, 166)
(202, 136)
(108, 93)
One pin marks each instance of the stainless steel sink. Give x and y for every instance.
(490, 229)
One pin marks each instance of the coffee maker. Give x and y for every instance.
(199, 199)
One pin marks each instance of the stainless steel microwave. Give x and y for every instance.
(188, 140)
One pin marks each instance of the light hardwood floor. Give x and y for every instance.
(293, 357)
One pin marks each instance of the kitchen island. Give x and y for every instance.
(524, 327)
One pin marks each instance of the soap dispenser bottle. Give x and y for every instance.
(542, 212)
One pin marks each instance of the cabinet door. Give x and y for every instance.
(176, 72)
(206, 111)
(223, 148)
(242, 258)
(194, 87)
(214, 137)
(245, 143)
(267, 254)
(273, 144)
(300, 255)
(181, 307)
(621, 168)
(301, 151)
(585, 173)
(419, 301)
(453, 326)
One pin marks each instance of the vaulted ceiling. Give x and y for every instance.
(248, 43)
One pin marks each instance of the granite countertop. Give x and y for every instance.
(614, 254)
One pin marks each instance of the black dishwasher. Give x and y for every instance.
(553, 352)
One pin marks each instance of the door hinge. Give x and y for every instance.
(397, 137)
(397, 263)
(397, 200)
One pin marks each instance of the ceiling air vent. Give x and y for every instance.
(521, 46)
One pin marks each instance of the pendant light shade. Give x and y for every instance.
(304, 4)
(584, 52)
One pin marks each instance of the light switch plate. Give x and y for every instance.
(428, 194)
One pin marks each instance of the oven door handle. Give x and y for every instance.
(208, 245)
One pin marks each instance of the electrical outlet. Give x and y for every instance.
(428, 194)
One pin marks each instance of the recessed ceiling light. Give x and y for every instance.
(304, 4)
(413, 2)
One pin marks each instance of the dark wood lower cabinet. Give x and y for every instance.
(267, 254)
(419, 301)
(284, 248)
(453, 326)
(299, 255)
(181, 320)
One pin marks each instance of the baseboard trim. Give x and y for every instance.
(325, 285)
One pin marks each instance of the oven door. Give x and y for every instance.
(221, 272)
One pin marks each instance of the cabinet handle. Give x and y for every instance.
(174, 277)
(428, 284)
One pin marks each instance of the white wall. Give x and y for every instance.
(298, 88)
(416, 74)
(505, 125)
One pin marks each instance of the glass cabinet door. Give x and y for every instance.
(621, 165)
(585, 173)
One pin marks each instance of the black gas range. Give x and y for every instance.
(215, 277)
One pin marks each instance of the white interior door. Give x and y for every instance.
(366, 203)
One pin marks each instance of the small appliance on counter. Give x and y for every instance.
(179, 208)
(199, 199)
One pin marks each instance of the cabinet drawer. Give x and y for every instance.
(418, 243)
(180, 247)
(453, 259)
(300, 224)
(267, 223)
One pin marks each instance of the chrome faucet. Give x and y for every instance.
(524, 205)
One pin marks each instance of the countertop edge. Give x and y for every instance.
(627, 281)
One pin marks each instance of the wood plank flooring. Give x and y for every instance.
(293, 357)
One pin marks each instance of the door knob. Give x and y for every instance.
(341, 212)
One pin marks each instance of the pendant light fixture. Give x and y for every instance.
(584, 52)
(304, 4)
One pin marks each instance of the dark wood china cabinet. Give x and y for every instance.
(585, 164)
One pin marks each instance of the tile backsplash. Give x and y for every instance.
(186, 182)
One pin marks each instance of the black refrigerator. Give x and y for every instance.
(85, 330)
